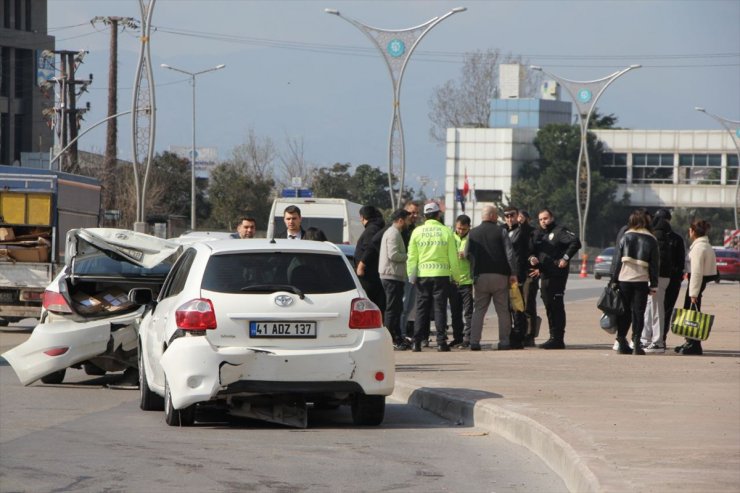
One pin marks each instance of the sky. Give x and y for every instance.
(294, 72)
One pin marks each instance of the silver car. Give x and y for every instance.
(603, 263)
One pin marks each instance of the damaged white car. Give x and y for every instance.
(87, 320)
(263, 328)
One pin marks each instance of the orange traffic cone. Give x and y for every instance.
(584, 271)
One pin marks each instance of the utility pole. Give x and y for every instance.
(69, 115)
(111, 135)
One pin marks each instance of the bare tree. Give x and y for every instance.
(294, 163)
(256, 156)
(467, 101)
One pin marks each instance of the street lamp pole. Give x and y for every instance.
(735, 136)
(192, 76)
(582, 94)
(393, 46)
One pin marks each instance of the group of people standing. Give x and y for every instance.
(648, 270)
(412, 271)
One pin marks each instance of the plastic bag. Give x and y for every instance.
(515, 298)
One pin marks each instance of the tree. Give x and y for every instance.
(233, 192)
(333, 182)
(550, 182)
(256, 156)
(370, 186)
(467, 101)
(294, 164)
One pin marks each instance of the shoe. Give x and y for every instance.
(691, 349)
(425, 343)
(655, 347)
(464, 345)
(474, 346)
(400, 345)
(416, 347)
(442, 347)
(637, 349)
(529, 342)
(516, 345)
(553, 344)
(504, 347)
(615, 347)
(456, 342)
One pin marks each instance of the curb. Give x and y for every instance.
(514, 427)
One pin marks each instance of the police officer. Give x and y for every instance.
(553, 247)
(432, 261)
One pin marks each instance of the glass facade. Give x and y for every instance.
(614, 166)
(698, 169)
(652, 168)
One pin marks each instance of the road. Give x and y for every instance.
(84, 436)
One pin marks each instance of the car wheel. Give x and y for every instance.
(368, 410)
(54, 378)
(149, 401)
(176, 417)
(597, 276)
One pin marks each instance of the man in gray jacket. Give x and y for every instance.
(392, 271)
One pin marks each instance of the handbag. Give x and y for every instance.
(608, 323)
(691, 323)
(610, 301)
(515, 298)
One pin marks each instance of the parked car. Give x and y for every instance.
(603, 263)
(728, 264)
(263, 328)
(87, 320)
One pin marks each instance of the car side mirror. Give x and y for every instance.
(141, 296)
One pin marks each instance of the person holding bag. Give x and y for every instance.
(703, 269)
(636, 273)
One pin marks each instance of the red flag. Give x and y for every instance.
(466, 186)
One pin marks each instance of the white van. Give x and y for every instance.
(339, 219)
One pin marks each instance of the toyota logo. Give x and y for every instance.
(283, 300)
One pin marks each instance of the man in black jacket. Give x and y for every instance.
(678, 265)
(652, 333)
(366, 255)
(553, 247)
(520, 236)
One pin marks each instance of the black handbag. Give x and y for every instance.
(610, 301)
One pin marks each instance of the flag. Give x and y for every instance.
(459, 197)
(466, 186)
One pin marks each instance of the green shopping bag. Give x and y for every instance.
(691, 323)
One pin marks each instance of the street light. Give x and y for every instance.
(735, 135)
(192, 76)
(393, 45)
(585, 94)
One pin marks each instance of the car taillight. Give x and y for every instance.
(598, 260)
(196, 314)
(364, 315)
(55, 302)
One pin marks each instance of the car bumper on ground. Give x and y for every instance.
(197, 371)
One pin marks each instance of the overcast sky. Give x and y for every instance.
(292, 70)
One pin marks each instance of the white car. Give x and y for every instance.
(87, 320)
(263, 327)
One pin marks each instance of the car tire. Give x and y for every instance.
(91, 369)
(149, 401)
(597, 276)
(176, 417)
(54, 378)
(368, 410)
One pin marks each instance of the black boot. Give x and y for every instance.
(553, 343)
(624, 347)
(691, 347)
(638, 346)
(416, 347)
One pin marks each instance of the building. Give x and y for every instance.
(658, 168)
(23, 38)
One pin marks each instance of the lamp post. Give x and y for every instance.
(735, 135)
(394, 44)
(192, 76)
(582, 94)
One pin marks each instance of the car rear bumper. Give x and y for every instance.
(196, 371)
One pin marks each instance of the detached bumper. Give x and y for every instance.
(196, 371)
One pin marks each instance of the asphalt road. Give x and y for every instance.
(84, 436)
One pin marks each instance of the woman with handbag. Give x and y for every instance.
(703, 269)
(636, 273)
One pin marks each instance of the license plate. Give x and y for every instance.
(721, 264)
(305, 330)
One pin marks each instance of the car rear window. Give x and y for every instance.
(309, 272)
(333, 228)
(101, 265)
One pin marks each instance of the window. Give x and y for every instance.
(700, 168)
(247, 272)
(732, 168)
(176, 280)
(614, 166)
(333, 228)
(652, 168)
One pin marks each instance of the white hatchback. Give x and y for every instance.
(264, 327)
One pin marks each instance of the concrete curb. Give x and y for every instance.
(516, 428)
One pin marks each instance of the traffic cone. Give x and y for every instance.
(584, 271)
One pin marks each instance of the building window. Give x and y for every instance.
(5, 71)
(6, 14)
(614, 166)
(652, 168)
(29, 23)
(18, 16)
(732, 168)
(700, 169)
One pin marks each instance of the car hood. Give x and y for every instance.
(139, 249)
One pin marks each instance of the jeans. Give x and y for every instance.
(393, 306)
(634, 295)
(431, 295)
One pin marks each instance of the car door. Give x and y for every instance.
(154, 333)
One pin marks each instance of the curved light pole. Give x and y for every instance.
(394, 44)
(192, 76)
(735, 135)
(582, 94)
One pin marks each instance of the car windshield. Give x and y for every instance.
(101, 265)
(254, 272)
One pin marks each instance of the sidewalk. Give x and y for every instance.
(602, 421)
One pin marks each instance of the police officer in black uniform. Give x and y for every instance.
(553, 247)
